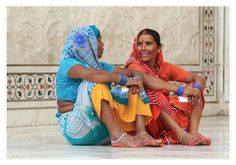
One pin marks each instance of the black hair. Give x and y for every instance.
(99, 34)
(153, 33)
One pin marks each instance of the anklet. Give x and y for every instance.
(181, 138)
(141, 134)
(194, 132)
(121, 137)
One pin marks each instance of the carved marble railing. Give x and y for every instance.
(30, 86)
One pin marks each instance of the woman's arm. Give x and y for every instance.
(99, 76)
(93, 75)
(155, 83)
(127, 72)
(196, 78)
(177, 73)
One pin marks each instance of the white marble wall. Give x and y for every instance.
(35, 37)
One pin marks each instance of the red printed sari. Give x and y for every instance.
(161, 100)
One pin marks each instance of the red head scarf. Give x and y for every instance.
(155, 96)
(135, 58)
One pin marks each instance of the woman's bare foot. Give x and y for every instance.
(206, 141)
(148, 140)
(192, 140)
(126, 141)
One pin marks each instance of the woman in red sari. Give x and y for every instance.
(173, 121)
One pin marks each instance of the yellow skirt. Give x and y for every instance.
(124, 115)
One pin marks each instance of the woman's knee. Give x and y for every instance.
(201, 99)
(101, 91)
(200, 103)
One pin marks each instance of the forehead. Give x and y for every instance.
(145, 37)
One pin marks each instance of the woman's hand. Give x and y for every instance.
(134, 89)
(135, 81)
(193, 100)
(135, 85)
(190, 91)
(193, 94)
(136, 73)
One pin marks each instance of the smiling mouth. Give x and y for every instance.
(144, 54)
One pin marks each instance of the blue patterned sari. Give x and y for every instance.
(81, 126)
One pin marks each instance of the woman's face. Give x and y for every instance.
(148, 49)
(100, 47)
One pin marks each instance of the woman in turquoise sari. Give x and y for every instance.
(89, 112)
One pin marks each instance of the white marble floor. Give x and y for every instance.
(47, 143)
